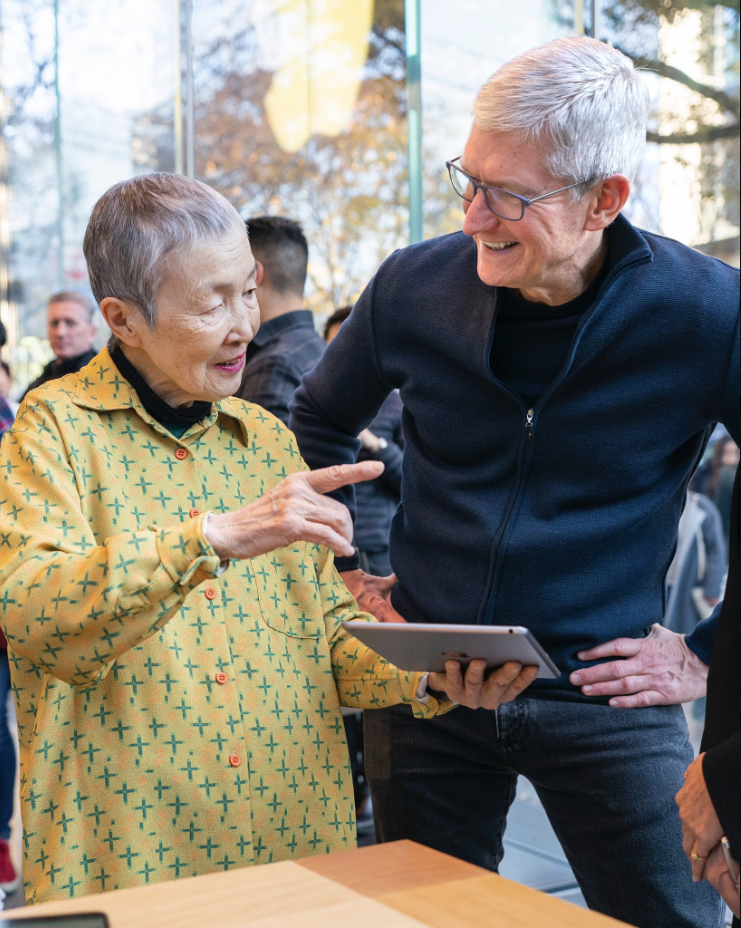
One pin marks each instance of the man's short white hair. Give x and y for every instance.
(582, 100)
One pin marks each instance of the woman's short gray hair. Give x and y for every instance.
(584, 101)
(137, 223)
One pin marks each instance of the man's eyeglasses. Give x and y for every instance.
(505, 205)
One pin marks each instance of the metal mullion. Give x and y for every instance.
(414, 117)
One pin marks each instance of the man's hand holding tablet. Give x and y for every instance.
(475, 692)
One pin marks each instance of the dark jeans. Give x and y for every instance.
(606, 777)
(7, 753)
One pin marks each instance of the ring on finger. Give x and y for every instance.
(697, 857)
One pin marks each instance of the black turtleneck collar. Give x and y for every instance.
(180, 418)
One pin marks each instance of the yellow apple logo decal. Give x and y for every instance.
(325, 43)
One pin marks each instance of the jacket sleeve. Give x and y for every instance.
(727, 409)
(364, 680)
(71, 603)
(326, 416)
(702, 638)
(721, 767)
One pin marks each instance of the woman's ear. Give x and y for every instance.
(607, 200)
(124, 320)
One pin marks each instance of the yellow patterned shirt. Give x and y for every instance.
(172, 720)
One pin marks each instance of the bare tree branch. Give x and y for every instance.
(706, 134)
(724, 100)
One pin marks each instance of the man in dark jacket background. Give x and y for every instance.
(561, 373)
(286, 345)
(70, 328)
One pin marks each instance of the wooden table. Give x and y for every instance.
(398, 885)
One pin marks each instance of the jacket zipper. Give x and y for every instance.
(501, 545)
(529, 427)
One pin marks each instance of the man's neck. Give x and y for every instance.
(579, 274)
(274, 304)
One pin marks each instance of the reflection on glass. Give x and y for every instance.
(690, 179)
(301, 112)
(89, 90)
(459, 53)
(315, 89)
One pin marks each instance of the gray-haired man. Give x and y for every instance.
(71, 331)
(561, 372)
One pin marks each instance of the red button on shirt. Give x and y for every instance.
(181, 454)
(194, 512)
(210, 592)
(235, 760)
(221, 677)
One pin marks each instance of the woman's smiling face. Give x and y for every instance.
(207, 314)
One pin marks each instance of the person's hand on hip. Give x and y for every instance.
(701, 829)
(658, 670)
(373, 594)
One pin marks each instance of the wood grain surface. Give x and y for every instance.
(397, 885)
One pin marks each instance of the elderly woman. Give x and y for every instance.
(168, 589)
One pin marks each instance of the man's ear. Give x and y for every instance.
(606, 201)
(123, 319)
(259, 273)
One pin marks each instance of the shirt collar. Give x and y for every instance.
(296, 319)
(100, 386)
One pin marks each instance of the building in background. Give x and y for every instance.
(300, 107)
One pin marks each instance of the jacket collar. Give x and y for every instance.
(101, 387)
(296, 319)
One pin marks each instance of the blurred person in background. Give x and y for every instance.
(709, 803)
(695, 577)
(8, 406)
(723, 464)
(286, 345)
(9, 878)
(377, 500)
(70, 328)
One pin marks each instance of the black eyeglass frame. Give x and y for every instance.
(524, 201)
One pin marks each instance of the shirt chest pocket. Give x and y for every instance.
(288, 592)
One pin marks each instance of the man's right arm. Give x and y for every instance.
(341, 397)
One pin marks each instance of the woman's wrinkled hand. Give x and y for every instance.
(475, 692)
(294, 510)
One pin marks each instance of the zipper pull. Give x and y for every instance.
(529, 427)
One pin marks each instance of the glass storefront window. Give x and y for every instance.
(459, 53)
(89, 93)
(300, 111)
(299, 107)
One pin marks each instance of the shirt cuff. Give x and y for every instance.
(344, 564)
(186, 554)
(702, 638)
(424, 704)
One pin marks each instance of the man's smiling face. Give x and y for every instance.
(543, 253)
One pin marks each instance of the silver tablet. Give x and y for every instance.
(426, 647)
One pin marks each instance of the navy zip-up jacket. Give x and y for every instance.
(562, 518)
